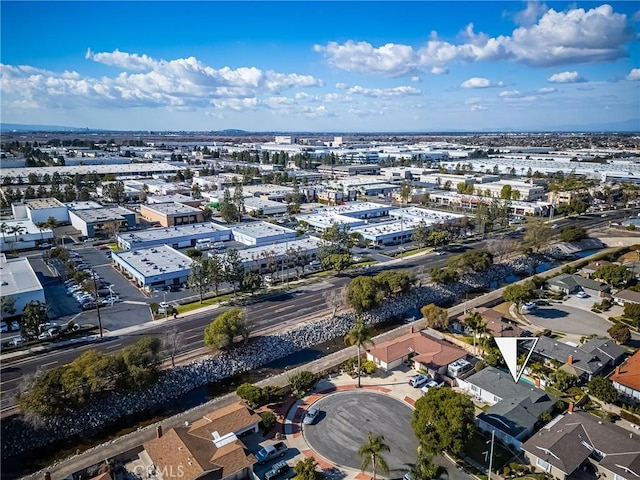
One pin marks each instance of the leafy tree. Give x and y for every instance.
(371, 454)
(519, 293)
(336, 261)
(33, 315)
(573, 234)
(476, 324)
(395, 281)
(224, 328)
(199, 276)
(506, 192)
(238, 200)
(233, 268)
(142, 360)
(252, 394)
(228, 210)
(471, 261)
(443, 421)
(444, 276)
(302, 382)
(360, 335)
(632, 311)
(420, 235)
(562, 380)
(364, 294)
(193, 253)
(251, 282)
(537, 234)
(306, 469)
(426, 469)
(616, 275)
(435, 316)
(269, 420)
(602, 388)
(217, 274)
(620, 333)
(7, 306)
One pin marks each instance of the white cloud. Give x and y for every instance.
(557, 38)
(415, 79)
(510, 94)
(634, 74)
(146, 82)
(531, 14)
(402, 91)
(566, 77)
(472, 101)
(478, 108)
(479, 82)
(546, 90)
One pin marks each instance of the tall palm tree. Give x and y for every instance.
(52, 223)
(4, 228)
(371, 454)
(426, 469)
(360, 336)
(16, 230)
(475, 323)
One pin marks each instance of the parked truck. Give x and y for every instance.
(270, 452)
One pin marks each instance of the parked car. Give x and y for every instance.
(14, 326)
(418, 380)
(277, 470)
(15, 341)
(310, 415)
(430, 384)
(582, 294)
(269, 452)
(4, 327)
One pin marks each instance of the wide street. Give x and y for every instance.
(277, 311)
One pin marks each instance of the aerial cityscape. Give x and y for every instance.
(320, 240)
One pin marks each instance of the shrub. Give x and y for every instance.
(369, 367)
(350, 365)
(252, 394)
(268, 420)
(301, 383)
(154, 308)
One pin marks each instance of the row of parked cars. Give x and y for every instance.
(86, 300)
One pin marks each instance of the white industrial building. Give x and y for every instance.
(26, 235)
(472, 201)
(264, 207)
(154, 266)
(361, 210)
(389, 233)
(323, 220)
(19, 282)
(426, 216)
(527, 192)
(301, 250)
(261, 233)
(38, 210)
(91, 222)
(177, 237)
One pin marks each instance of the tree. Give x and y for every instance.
(193, 253)
(602, 388)
(405, 192)
(199, 276)
(337, 262)
(420, 235)
(435, 316)
(573, 234)
(251, 282)
(519, 293)
(537, 234)
(476, 324)
(114, 191)
(171, 343)
(7, 306)
(443, 421)
(233, 268)
(426, 469)
(302, 382)
(360, 335)
(221, 332)
(443, 276)
(562, 380)
(364, 294)
(238, 200)
(217, 272)
(228, 211)
(620, 333)
(335, 298)
(616, 275)
(371, 454)
(252, 394)
(306, 469)
(506, 192)
(472, 261)
(33, 315)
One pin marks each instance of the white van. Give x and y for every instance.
(203, 244)
(459, 367)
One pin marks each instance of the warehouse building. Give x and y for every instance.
(261, 233)
(297, 252)
(171, 214)
(177, 237)
(38, 210)
(23, 235)
(98, 222)
(19, 282)
(153, 267)
(264, 207)
(175, 198)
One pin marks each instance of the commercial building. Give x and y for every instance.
(264, 207)
(335, 197)
(344, 171)
(171, 214)
(19, 282)
(323, 220)
(154, 266)
(296, 253)
(23, 235)
(361, 210)
(526, 192)
(176, 237)
(459, 200)
(427, 216)
(261, 233)
(105, 221)
(38, 210)
(175, 198)
(389, 233)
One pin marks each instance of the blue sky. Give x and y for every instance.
(320, 66)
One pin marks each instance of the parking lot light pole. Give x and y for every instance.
(95, 288)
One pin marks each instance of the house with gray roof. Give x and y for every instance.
(515, 407)
(569, 284)
(583, 361)
(581, 445)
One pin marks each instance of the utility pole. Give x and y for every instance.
(97, 297)
(493, 436)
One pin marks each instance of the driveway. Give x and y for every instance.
(570, 319)
(345, 420)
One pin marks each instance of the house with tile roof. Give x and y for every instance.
(425, 352)
(626, 378)
(583, 361)
(626, 296)
(515, 407)
(208, 449)
(581, 445)
(497, 324)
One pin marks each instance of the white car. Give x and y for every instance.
(310, 415)
(418, 380)
(582, 294)
(430, 384)
(441, 252)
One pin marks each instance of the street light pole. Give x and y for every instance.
(493, 436)
(97, 298)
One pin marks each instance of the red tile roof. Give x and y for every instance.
(429, 350)
(628, 373)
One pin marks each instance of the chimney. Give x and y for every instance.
(618, 370)
(537, 382)
(47, 475)
(411, 329)
(159, 431)
(570, 360)
(571, 405)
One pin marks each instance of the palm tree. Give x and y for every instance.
(52, 223)
(426, 469)
(4, 228)
(360, 336)
(16, 230)
(371, 454)
(475, 323)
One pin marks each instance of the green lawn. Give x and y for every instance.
(478, 444)
(187, 307)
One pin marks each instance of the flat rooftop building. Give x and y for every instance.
(389, 233)
(176, 237)
(27, 236)
(256, 258)
(261, 233)
(20, 282)
(154, 266)
(38, 210)
(427, 216)
(171, 214)
(91, 222)
(361, 210)
(324, 220)
(264, 207)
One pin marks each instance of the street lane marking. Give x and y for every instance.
(113, 346)
(50, 363)
(193, 336)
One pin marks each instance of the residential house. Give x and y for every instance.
(209, 449)
(626, 296)
(626, 378)
(583, 361)
(426, 352)
(589, 270)
(497, 325)
(568, 284)
(515, 407)
(581, 445)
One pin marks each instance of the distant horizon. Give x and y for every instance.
(352, 66)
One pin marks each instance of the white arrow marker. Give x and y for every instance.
(509, 349)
